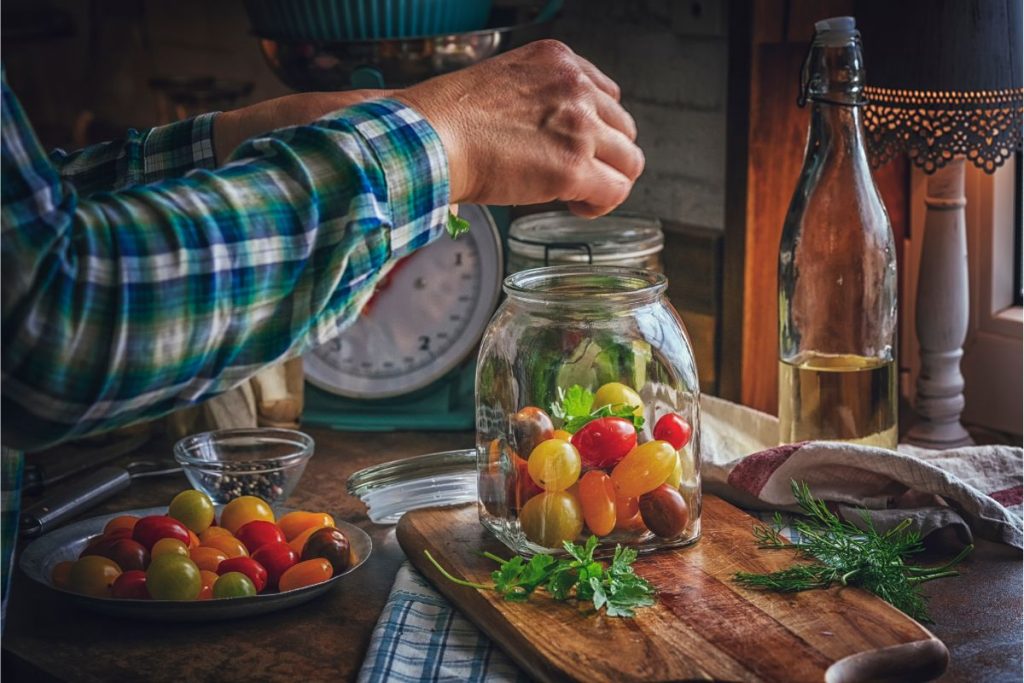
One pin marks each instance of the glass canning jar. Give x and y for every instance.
(570, 342)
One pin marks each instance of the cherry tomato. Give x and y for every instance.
(173, 577)
(525, 487)
(61, 575)
(233, 585)
(192, 508)
(530, 427)
(248, 566)
(627, 515)
(554, 465)
(299, 542)
(193, 540)
(258, 533)
(674, 429)
(561, 434)
(615, 393)
(169, 546)
(229, 545)
(208, 578)
(676, 477)
(122, 522)
(664, 511)
(330, 544)
(125, 552)
(207, 558)
(93, 575)
(98, 544)
(550, 518)
(278, 558)
(306, 574)
(243, 510)
(294, 523)
(605, 441)
(645, 468)
(130, 586)
(211, 532)
(149, 530)
(597, 499)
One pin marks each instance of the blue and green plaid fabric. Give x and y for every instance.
(138, 280)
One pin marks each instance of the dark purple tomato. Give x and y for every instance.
(128, 554)
(530, 426)
(602, 443)
(330, 544)
(664, 511)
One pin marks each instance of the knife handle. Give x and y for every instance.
(69, 500)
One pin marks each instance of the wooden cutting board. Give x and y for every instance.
(703, 627)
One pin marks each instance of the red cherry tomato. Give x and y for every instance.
(259, 533)
(277, 558)
(525, 487)
(131, 585)
(149, 530)
(248, 566)
(673, 429)
(604, 442)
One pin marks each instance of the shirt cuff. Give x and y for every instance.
(173, 150)
(415, 168)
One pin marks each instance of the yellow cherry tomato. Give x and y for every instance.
(550, 518)
(93, 575)
(644, 468)
(192, 508)
(207, 558)
(676, 477)
(243, 510)
(229, 545)
(554, 465)
(305, 573)
(168, 546)
(616, 393)
(294, 523)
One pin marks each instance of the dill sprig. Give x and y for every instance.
(840, 553)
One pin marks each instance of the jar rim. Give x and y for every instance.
(585, 284)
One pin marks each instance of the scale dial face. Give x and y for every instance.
(426, 317)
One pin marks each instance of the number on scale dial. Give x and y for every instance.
(426, 316)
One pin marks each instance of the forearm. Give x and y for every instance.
(153, 298)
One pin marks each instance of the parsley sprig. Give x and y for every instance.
(613, 587)
(575, 408)
(841, 553)
(456, 226)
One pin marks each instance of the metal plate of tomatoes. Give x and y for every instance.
(40, 557)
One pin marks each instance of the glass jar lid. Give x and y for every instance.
(561, 237)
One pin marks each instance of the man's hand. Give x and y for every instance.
(232, 128)
(536, 124)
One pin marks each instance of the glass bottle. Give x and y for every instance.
(837, 266)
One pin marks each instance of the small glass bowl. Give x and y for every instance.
(229, 463)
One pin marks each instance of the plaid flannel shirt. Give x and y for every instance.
(138, 280)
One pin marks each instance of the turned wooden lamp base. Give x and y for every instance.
(942, 312)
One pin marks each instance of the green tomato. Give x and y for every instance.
(233, 585)
(192, 508)
(173, 577)
(616, 393)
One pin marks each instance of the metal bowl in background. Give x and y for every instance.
(306, 65)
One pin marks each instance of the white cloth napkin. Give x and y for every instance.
(949, 495)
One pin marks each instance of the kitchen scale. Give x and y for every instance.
(409, 361)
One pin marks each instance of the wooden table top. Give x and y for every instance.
(978, 615)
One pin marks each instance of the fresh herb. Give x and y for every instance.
(456, 226)
(615, 587)
(841, 553)
(575, 408)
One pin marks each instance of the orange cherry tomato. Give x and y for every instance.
(561, 434)
(597, 498)
(207, 578)
(230, 545)
(305, 573)
(207, 558)
(122, 522)
(211, 532)
(644, 468)
(294, 523)
(193, 540)
(61, 575)
(243, 510)
(299, 542)
(627, 514)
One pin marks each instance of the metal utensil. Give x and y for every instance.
(78, 496)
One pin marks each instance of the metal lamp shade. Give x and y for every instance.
(944, 79)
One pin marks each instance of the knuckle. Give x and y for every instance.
(552, 48)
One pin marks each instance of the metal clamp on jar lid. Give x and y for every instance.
(557, 237)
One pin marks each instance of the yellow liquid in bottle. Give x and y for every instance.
(838, 398)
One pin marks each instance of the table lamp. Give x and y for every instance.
(944, 87)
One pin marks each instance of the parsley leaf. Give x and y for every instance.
(456, 226)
